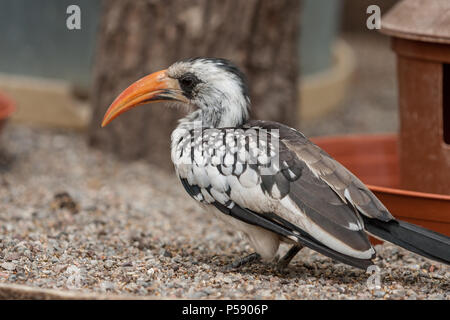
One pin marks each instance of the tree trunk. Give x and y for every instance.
(140, 37)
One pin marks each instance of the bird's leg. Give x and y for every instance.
(242, 261)
(286, 259)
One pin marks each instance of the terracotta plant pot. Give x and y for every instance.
(6, 108)
(374, 159)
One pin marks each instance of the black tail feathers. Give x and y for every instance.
(419, 240)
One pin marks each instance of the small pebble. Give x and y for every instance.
(8, 266)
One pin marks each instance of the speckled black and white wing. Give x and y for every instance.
(270, 175)
(349, 188)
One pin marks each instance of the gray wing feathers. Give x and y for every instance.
(340, 180)
(318, 202)
(336, 176)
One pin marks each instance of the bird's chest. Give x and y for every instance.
(210, 169)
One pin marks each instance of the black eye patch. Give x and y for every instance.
(188, 81)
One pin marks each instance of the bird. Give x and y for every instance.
(266, 179)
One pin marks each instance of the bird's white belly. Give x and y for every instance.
(264, 242)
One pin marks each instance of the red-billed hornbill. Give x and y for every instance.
(266, 179)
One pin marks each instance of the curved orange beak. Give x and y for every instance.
(155, 87)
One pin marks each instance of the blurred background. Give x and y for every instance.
(327, 74)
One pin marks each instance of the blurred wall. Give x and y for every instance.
(320, 25)
(35, 40)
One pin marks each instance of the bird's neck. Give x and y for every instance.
(215, 118)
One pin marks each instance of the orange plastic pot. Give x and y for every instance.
(6, 108)
(374, 159)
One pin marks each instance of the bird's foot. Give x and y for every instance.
(242, 261)
(284, 261)
(281, 266)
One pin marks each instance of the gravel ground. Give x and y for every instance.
(74, 218)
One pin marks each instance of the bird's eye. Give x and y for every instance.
(187, 83)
